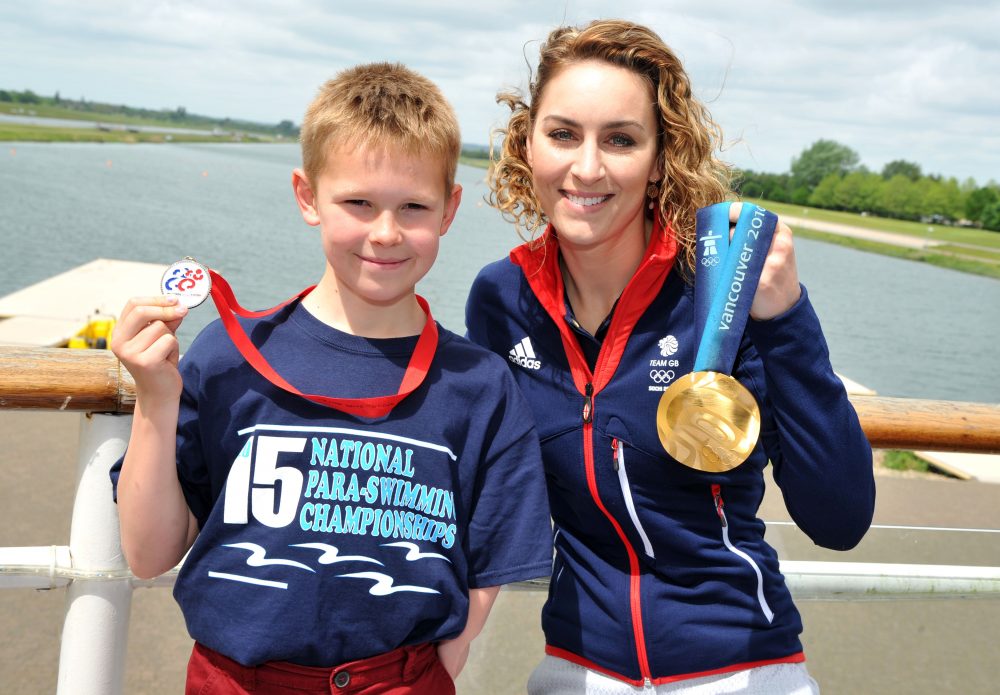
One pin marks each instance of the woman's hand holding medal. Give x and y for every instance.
(706, 419)
(778, 288)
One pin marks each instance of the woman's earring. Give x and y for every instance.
(653, 193)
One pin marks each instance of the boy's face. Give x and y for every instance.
(381, 213)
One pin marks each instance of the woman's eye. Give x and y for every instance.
(621, 140)
(561, 134)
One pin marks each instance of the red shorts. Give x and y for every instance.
(404, 671)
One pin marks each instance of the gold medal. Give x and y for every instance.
(708, 421)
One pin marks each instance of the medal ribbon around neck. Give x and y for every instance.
(708, 420)
(375, 407)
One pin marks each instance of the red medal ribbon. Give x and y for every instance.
(378, 406)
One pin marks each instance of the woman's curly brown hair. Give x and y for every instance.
(688, 137)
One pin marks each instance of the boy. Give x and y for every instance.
(356, 548)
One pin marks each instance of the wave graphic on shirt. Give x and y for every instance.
(258, 557)
(383, 584)
(414, 553)
(331, 554)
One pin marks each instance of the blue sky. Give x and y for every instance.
(893, 80)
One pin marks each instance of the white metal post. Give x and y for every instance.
(95, 627)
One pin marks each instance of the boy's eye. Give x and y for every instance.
(621, 140)
(357, 202)
(414, 206)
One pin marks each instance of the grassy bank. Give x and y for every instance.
(937, 232)
(478, 162)
(931, 256)
(50, 111)
(905, 461)
(122, 116)
(966, 250)
(15, 132)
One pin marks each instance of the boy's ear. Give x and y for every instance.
(450, 208)
(305, 197)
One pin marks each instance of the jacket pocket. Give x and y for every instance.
(619, 463)
(721, 512)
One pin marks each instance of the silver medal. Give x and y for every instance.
(188, 280)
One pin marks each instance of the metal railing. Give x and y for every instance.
(99, 585)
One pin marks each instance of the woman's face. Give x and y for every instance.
(592, 152)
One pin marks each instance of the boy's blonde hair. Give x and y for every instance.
(381, 105)
(688, 137)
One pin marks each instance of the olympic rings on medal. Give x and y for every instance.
(710, 261)
(661, 376)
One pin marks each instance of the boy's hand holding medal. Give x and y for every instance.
(145, 339)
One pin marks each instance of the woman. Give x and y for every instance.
(661, 577)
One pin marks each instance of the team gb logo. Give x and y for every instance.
(668, 346)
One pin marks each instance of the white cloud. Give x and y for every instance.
(893, 80)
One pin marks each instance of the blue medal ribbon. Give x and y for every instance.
(712, 229)
(726, 277)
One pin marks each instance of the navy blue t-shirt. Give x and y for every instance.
(327, 537)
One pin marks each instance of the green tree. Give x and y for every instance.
(824, 195)
(820, 159)
(968, 186)
(778, 188)
(900, 198)
(991, 217)
(5, 95)
(800, 196)
(910, 170)
(858, 191)
(27, 97)
(944, 198)
(754, 185)
(978, 201)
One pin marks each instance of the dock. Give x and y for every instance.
(50, 312)
(965, 466)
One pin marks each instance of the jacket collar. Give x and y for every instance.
(539, 261)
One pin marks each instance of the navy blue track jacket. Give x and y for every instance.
(661, 571)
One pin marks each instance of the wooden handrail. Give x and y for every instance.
(64, 379)
(928, 425)
(94, 381)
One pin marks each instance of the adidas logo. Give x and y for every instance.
(524, 355)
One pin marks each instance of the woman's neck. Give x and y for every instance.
(596, 276)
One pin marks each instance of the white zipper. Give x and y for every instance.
(558, 558)
(619, 459)
(717, 496)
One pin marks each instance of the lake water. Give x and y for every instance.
(901, 328)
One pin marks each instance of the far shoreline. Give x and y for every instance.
(12, 134)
